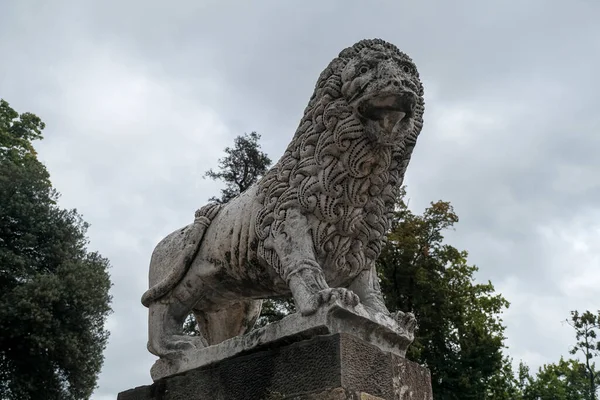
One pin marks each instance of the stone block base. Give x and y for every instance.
(329, 367)
(376, 328)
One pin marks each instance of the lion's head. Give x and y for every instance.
(381, 86)
(348, 156)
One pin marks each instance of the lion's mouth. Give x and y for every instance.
(389, 108)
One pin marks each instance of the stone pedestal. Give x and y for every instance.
(329, 367)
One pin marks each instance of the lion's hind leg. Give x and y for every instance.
(232, 320)
(165, 329)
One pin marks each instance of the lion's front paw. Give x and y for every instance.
(327, 296)
(406, 321)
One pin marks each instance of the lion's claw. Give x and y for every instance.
(327, 296)
(346, 296)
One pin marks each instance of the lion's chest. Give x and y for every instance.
(348, 240)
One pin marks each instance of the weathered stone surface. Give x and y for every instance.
(333, 394)
(378, 329)
(328, 367)
(312, 227)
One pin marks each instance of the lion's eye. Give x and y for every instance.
(364, 69)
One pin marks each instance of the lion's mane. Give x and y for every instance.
(344, 183)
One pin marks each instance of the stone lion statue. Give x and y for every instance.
(313, 226)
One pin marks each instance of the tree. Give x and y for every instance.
(242, 166)
(55, 293)
(504, 385)
(586, 326)
(460, 334)
(562, 381)
(522, 381)
(567, 379)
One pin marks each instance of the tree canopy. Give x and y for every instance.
(564, 380)
(568, 379)
(243, 165)
(55, 293)
(587, 328)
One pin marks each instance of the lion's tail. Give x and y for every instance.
(191, 245)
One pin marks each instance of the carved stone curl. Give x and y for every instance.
(313, 226)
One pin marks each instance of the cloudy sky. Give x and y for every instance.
(140, 98)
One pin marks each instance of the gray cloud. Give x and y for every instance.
(141, 97)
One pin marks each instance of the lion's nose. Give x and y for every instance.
(398, 83)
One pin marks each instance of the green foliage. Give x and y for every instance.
(460, 336)
(586, 328)
(18, 131)
(503, 385)
(54, 292)
(567, 379)
(522, 381)
(563, 381)
(244, 164)
(274, 310)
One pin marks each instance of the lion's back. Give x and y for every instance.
(167, 250)
(229, 250)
